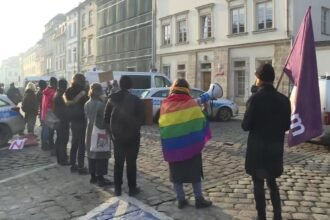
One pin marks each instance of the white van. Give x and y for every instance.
(141, 80)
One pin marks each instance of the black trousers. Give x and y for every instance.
(51, 143)
(259, 196)
(126, 151)
(98, 167)
(62, 131)
(78, 129)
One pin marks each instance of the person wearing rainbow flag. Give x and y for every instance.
(184, 132)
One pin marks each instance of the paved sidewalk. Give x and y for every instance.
(33, 187)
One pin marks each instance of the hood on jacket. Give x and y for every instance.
(49, 91)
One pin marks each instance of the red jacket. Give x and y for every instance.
(47, 101)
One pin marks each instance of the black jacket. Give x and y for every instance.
(60, 108)
(76, 109)
(267, 117)
(30, 102)
(124, 115)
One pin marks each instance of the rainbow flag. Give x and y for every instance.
(184, 129)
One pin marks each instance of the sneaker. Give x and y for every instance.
(182, 204)
(73, 168)
(202, 203)
(83, 171)
(104, 182)
(134, 191)
(118, 191)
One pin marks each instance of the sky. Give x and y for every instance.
(22, 22)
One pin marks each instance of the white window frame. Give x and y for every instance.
(246, 79)
(181, 71)
(237, 7)
(325, 21)
(205, 10)
(90, 17)
(258, 2)
(90, 46)
(166, 22)
(167, 73)
(179, 18)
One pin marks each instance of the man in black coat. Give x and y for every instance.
(124, 115)
(267, 117)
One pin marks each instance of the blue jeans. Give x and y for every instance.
(44, 136)
(180, 195)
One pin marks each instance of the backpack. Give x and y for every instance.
(124, 123)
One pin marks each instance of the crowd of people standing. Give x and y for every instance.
(97, 120)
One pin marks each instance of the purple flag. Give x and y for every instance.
(301, 68)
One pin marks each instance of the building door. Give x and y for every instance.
(206, 80)
(240, 81)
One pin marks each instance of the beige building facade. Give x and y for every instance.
(224, 41)
(87, 38)
(33, 60)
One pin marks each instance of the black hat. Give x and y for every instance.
(266, 73)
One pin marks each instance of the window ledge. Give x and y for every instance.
(182, 43)
(166, 45)
(205, 40)
(327, 34)
(238, 34)
(264, 30)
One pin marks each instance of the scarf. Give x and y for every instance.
(184, 130)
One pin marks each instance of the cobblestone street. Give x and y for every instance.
(34, 187)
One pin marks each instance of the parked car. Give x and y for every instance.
(11, 120)
(218, 109)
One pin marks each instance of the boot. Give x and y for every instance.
(202, 203)
(182, 204)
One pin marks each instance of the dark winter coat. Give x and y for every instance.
(76, 108)
(188, 171)
(60, 108)
(30, 103)
(267, 117)
(128, 121)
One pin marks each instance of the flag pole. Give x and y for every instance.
(279, 81)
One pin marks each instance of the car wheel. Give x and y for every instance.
(156, 118)
(5, 134)
(224, 114)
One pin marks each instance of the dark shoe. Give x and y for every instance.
(65, 163)
(93, 180)
(118, 191)
(45, 147)
(52, 153)
(202, 203)
(277, 217)
(73, 168)
(182, 204)
(134, 191)
(104, 182)
(83, 171)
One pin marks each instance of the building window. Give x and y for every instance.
(83, 20)
(264, 15)
(182, 31)
(181, 71)
(325, 21)
(74, 29)
(239, 68)
(90, 17)
(166, 35)
(69, 56)
(74, 51)
(90, 46)
(167, 70)
(237, 20)
(83, 49)
(206, 26)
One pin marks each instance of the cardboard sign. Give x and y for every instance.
(106, 76)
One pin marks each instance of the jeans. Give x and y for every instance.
(78, 129)
(61, 142)
(44, 136)
(30, 120)
(128, 152)
(180, 195)
(259, 196)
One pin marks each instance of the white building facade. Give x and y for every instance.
(72, 31)
(224, 41)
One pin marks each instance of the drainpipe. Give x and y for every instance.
(78, 40)
(153, 32)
